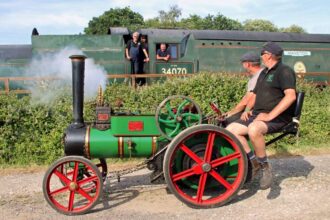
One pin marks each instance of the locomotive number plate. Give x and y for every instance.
(174, 68)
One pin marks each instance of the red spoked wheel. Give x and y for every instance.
(75, 191)
(102, 166)
(214, 175)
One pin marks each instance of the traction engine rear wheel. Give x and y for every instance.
(75, 191)
(216, 167)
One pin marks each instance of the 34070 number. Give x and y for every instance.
(175, 70)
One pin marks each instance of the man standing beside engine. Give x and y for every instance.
(274, 94)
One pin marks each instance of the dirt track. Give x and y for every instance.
(301, 190)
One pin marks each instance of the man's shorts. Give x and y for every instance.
(273, 126)
(232, 119)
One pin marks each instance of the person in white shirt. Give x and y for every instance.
(251, 63)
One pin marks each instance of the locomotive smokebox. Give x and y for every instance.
(74, 139)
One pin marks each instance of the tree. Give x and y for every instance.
(192, 22)
(152, 23)
(221, 22)
(259, 25)
(125, 17)
(293, 29)
(118, 17)
(171, 16)
(211, 22)
(165, 19)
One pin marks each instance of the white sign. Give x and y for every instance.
(295, 53)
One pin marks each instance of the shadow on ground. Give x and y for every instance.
(118, 193)
(285, 168)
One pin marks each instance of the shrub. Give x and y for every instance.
(31, 133)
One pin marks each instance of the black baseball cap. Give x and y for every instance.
(272, 48)
(250, 57)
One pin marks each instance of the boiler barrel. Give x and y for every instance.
(103, 144)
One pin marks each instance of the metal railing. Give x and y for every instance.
(132, 77)
(7, 81)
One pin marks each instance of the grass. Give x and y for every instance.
(294, 150)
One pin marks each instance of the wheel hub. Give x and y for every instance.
(73, 186)
(206, 167)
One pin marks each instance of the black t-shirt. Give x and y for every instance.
(270, 88)
(145, 46)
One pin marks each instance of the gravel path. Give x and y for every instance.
(301, 190)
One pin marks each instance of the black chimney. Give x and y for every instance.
(35, 32)
(78, 75)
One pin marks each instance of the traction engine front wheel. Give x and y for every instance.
(75, 191)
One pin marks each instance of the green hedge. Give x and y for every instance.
(31, 133)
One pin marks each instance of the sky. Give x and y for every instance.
(19, 17)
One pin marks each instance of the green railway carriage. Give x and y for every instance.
(307, 54)
(192, 51)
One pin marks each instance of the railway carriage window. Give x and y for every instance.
(172, 49)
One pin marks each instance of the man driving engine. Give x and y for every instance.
(272, 100)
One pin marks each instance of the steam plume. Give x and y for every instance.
(58, 65)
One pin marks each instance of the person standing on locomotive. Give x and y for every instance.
(144, 44)
(272, 100)
(137, 54)
(251, 63)
(163, 53)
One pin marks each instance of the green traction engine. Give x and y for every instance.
(202, 164)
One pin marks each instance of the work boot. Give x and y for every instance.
(253, 168)
(267, 176)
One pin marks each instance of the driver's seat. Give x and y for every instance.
(292, 127)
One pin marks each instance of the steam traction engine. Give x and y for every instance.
(203, 165)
